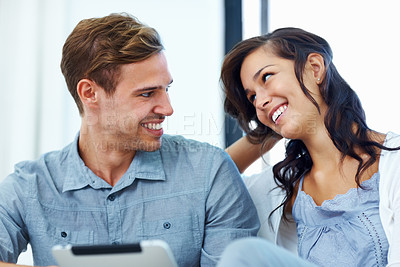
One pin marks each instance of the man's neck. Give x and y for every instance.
(104, 157)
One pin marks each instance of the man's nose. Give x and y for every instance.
(164, 106)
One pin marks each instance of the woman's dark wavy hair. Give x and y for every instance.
(344, 107)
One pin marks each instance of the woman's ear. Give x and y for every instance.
(316, 62)
(87, 91)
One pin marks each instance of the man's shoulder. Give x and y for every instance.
(180, 143)
(47, 160)
(188, 150)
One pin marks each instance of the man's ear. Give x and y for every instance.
(87, 91)
(316, 62)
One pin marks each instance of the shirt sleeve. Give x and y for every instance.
(394, 250)
(13, 238)
(230, 211)
(389, 194)
(394, 222)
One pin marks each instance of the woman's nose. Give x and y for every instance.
(262, 101)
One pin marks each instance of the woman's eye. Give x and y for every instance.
(266, 76)
(252, 98)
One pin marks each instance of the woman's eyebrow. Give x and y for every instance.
(260, 70)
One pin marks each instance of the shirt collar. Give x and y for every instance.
(76, 174)
(145, 165)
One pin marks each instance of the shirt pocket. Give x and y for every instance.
(182, 233)
(173, 228)
(63, 236)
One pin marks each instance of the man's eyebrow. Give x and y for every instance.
(260, 70)
(149, 88)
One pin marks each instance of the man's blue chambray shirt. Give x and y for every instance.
(189, 194)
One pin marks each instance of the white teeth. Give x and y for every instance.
(279, 112)
(152, 126)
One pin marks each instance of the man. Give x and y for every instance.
(121, 180)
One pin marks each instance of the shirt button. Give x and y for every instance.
(111, 198)
(64, 234)
(167, 225)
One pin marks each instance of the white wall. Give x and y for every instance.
(365, 41)
(37, 113)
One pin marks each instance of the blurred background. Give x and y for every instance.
(37, 114)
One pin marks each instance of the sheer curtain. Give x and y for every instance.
(364, 38)
(37, 114)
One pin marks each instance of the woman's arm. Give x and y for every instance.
(244, 153)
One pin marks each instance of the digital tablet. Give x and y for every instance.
(147, 253)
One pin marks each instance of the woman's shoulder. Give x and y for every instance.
(392, 140)
(389, 163)
(389, 156)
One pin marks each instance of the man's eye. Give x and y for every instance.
(266, 76)
(148, 94)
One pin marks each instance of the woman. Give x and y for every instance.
(340, 178)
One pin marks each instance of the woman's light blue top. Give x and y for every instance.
(344, 231)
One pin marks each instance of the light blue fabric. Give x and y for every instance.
(344, 231)
(189, 194)
(258, 252)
